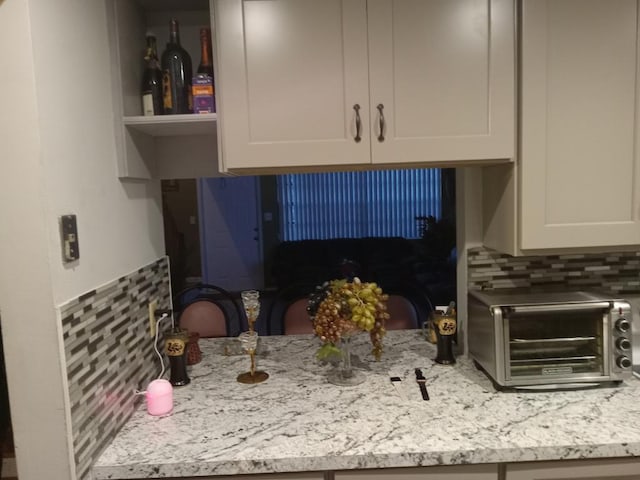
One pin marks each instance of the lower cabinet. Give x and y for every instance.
(456, 472)
(266, 476)
(612, 469)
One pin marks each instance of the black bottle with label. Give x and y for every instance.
(152, 101)
(206, 64)
(176, 74)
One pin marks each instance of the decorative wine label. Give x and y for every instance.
(147, 104)
(166, 90)
(175, 347)
(202, 90)
(446, 325)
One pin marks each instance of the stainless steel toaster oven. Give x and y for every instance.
(553, 339)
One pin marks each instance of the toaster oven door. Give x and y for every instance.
(556, 343)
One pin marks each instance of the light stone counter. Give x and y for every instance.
(296, 421)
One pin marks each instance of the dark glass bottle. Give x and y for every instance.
(445, 328)
(152, 102)
(176, 74)
(206, 62)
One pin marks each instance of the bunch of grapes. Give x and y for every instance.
(340, 308)
(316, 298)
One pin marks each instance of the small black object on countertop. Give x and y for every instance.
(422, 382)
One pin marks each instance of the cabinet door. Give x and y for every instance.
(614, 469)
(580, 174)
(289, 74)
(443, 73)
(267, 476)
(453, 472)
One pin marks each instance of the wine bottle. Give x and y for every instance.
(203, 90)
(206, 64)
(176, 74)
(152, 101)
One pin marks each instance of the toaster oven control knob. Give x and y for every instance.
(623, 362)
(623, 325)
(623, 344)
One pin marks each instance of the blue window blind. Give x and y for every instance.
(357, 204)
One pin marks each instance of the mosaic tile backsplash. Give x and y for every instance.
(109, 354)
(617, 273)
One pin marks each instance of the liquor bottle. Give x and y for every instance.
(206, 63)
(176, 74)
(152, 102)
(203, 90)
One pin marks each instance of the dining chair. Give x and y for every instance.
(403, 314)
(208, 310)
(296, 319)
(287, 314)
(409, 306)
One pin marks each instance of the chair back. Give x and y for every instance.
(287, 314)
(296, 318)
(206, 318)
(402, 313)
(408, 306)
(208, 310)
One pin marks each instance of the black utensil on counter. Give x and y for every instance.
(422, 383)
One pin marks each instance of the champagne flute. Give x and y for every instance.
(251, 304)
(249, 342)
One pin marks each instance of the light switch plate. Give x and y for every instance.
(69, 238)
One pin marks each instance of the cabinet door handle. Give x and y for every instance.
(380, 107)
(357, 138)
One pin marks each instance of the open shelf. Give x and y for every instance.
(172, 125)
(163, 146)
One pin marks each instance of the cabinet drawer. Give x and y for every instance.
(454, 472)
(612, 469)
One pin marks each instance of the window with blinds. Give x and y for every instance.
(381, 203)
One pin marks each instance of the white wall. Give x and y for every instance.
(120, 224)
(26, 296)
(57, 157)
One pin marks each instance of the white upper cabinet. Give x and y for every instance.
(580, 161)
(292, 82)
(577, 181)
(307, 84)
(441, 79)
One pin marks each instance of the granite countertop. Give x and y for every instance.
(297, 421)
